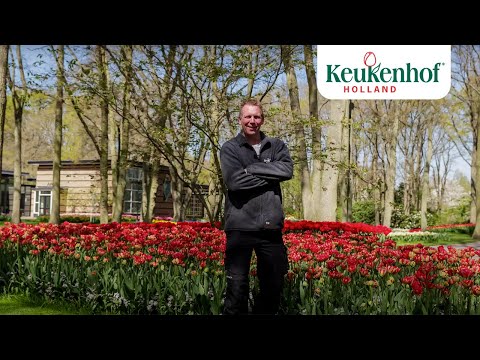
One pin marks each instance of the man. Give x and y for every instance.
(253, 165)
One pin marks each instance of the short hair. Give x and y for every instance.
(251, 102)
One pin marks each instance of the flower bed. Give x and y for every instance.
(450, 228)
(177, 268)
(416, 236)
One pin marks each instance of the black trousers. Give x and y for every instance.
(272, 265)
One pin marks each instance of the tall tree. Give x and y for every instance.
(3, 98)
(392, 118)
(315, 172)
(19, 97)
(466, 81)
(338, 114)
(299, 149)
(369, 127)
(114, 141)
(59, 55)
(103, 90)
(426, 177)
(124, 127)
(411, 144)
(476, 231)
(442, 162)
(345, 192)
(385, 114)
(156, 78)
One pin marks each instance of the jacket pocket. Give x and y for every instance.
(272, 211)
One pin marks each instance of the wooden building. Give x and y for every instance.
(80, 190)
(6, 193)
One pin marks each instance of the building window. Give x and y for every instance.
(194, 208)
(132, 202)
(4, 206)
(37, 201)
(22, 200)
(43, 202)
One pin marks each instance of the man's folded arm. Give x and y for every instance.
(234, 175)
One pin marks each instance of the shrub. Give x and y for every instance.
(84, 219)
(364, 212)
(459, 214)
(410, 221)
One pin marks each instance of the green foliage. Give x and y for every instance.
(292, 198)
(398, 193)
(410, 221)
(463, 181)
(459, 214)
(447, 238)
(467, 230)
(426, 237)
(364, 212)
(82, 219)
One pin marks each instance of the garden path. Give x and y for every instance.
(475, 245)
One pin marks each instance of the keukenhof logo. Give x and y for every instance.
(384, 71)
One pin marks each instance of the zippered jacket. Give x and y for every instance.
(254, 198)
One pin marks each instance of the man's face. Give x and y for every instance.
(251, 120)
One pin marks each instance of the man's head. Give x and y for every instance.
(251, 117)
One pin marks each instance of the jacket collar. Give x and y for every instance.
(242, 140)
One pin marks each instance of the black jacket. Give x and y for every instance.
(254, 197)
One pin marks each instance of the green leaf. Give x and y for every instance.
(424, 309)
(399, 297)
(129, 283)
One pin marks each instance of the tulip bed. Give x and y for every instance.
(177, 268)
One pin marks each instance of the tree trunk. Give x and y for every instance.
(3, 101)
(57, 142)
(17, 167)
(345, 199)
(329, 187)
(342, 179)
(376, 185)
(315, 174)
(426, 177)
(124, 138)
(114, 150)
(18, 105)
(150, 187)
(418, 180)
(476, 231)
(103, 88)
(178, 189)
(473, 176)
(350, 160)
(300, 152)
(391, 168)
(406, 182)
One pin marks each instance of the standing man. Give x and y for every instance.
(253, 165)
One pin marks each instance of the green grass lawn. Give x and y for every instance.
(456, 238)
(26, 221)
(453, 238)
(22, 305)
